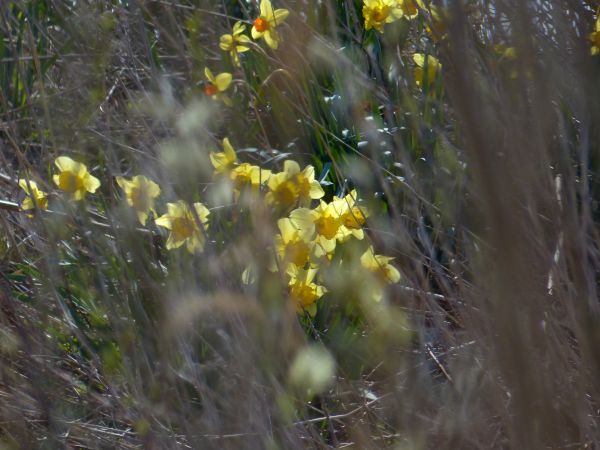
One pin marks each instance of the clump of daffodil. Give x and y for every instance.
(140, 193)
(35, 197)
(324, 222)
(379, 266)
(291, 245)
(217, 85)
(304, 292)
(74, 178)
(379, 12)
(427, 68)
(235, 43)
(293, 186)
(595, 37)
(266, 23)
(225, 160)
(186, 226)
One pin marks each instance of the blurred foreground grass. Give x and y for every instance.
(301, 225)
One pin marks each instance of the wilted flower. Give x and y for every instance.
(74, 178)
(265, 25)
(410, 8)
(217, 85)
(35, 197)
(140, 193)
(235, 43)
(185, 227)
(427, 68)
(436, 26)
(595, 37)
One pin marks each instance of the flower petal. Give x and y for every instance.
(223, 80)
(279, 16)
(272, 38)
(256, 34)
(266, 9)
(91, 183)
(65, 163)
(226, 42)
(209, 75)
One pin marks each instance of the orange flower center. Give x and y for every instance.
(380, 14)
(261, 25)
(210, 90)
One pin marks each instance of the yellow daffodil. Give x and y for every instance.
(248, 176)
(303, 290)
(266, 23)
(381, 269)
(380, 266)
(224, 161)
(410, 8)
(184, 226)
(293, 186)
(291, 245)
(379, 12)
(35, 197)
(426, 63)
(235, 43)
(217, 85)
(325, 222)
(140, 193)
(353, 217)
(74, 178)
(595, 37)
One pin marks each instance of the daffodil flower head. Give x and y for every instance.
(379, 12)
(325, 222)
(304, 292)
(247, 175)
(186, 226)
(291, 186)
(217, 85)
(353, 217)
(35, 197)
(292, 246)
(594, 37)
(74, 178)
(380, 266)
(225, 160)
(140, 194)
(265, 24)
(382, 273)
(427, 68)
(235, 43)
